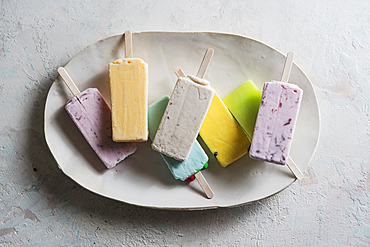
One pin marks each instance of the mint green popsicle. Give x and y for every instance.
(182, 170)
(243, 103)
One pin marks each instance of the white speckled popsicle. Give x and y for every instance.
(182, 170)
(184, 115)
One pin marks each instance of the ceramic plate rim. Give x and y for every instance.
(195, 208)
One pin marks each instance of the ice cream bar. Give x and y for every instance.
(92, 115)
(185, 113)
(243, 104)
(129, 97)
(222, 134)
(182, 170)
(277, 116)
(183, 118)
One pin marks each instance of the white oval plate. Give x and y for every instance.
(143, 178)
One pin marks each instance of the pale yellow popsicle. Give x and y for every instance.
(129, 99)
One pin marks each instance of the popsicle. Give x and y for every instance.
(181, 170)
(243, 103)
(275, 122)
(202, 70)
(92, 116)
(222, 134)
(129, 96)
(185, 113)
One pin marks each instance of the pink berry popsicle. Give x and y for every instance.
(276, 119)
(92, 116)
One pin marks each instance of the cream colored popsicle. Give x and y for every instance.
(185, 113)
(182, 170)
(129, 96)
(198, 175)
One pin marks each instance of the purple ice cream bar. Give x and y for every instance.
(276, 120)
(92, 115)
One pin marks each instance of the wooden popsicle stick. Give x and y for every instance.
(201, 73)
(285, 78)
(294, 168)
(179, 72)
(287, 67)
(68, 80)
(205, 63)
(199, 176)
(128, 44)
(205, 186)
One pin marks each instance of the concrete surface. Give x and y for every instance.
(40, 206)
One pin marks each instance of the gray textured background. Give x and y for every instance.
(40, 206)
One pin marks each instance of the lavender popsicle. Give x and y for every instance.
(92, 115)
(276, 121)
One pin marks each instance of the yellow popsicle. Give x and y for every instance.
(129, 99)
(222, 134)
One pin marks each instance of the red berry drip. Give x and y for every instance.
(289, 120)
(191, 178)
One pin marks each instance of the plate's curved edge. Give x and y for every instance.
(187, 208)
(45, 135)
(273, 194)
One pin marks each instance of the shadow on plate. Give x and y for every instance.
(151, 167)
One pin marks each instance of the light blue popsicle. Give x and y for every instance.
(197, 160)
